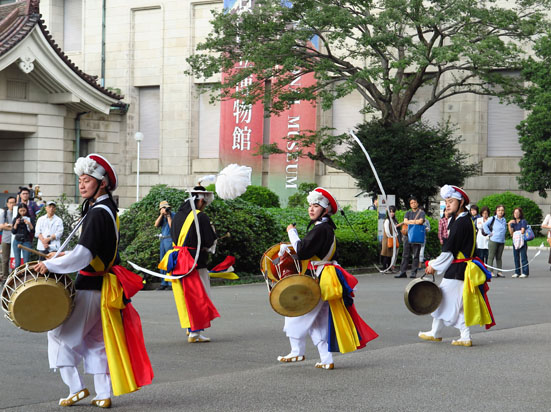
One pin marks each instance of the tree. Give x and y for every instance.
(385, 49)
(410, 160)
(535, 130)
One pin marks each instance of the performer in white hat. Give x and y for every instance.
(193, 237)
(324, 323)
(108, 339)
(457, 254)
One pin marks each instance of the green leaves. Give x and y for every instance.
(386, 49)
(535, 130)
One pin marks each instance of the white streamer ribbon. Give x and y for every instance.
(395, 230)
(540, 249)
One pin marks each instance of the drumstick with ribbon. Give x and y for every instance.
(36, 252)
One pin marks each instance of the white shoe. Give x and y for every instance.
(291, 358)
(523, 276)
(197, 337)
(515, 276)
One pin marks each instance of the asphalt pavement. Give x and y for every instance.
(507, 369)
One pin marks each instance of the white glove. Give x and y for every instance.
(283, 249)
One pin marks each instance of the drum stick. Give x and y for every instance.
(225, 236)
(36, 252)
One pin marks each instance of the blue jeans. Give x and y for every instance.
(17, 252)
(482, 254)
(166, 245)
(520, 255)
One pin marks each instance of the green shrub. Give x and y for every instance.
(532, 212)
(141, 216)
(260, 196)
(298, 199)
(252, 231)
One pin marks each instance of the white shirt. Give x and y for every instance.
(547, 222)
(47, 227)
(481, 240)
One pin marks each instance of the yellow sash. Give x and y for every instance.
(120, 367)
(331, 291)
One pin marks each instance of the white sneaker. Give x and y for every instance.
(515, 276)
(523, 276)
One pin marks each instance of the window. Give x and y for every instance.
(209, 127)
(150, 121)
(72, 25)
(502, 131)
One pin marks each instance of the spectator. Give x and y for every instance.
(474, 213)
(374, 203)
(496, 228)
(32, 207)
(6, 216)
(415, 216)
(426, 223)
(547, 225)
(517, 227)
(482, 239)
(22, 228)
(443, 228)
(164, 221)
(389, 233)
(49, 229)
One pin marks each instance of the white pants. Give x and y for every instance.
(316, 324)
(450, 312)
(80, 338)
(205, 278)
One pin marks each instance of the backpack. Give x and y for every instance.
(491, 226)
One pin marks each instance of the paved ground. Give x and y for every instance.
(508, 369)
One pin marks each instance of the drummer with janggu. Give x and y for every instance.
(333, 324)
(104, 330)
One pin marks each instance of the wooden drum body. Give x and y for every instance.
(36, 302)
(292, 291)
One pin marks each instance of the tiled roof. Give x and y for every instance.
(18, 19)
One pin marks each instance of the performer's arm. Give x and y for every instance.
(441, 263)
(73, 261)
(293, 236)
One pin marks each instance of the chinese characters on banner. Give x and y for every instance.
(241, 131)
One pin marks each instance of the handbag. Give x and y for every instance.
(416, 233)
(491, 226)
(390, 243)
(529, 233)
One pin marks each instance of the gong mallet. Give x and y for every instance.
(36, 252)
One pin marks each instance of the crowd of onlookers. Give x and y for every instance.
(490, 228)
(19, 226)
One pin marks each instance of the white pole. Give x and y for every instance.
(138, 175)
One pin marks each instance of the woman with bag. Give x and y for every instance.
(517, 228)
(547, 225)
(389, 237)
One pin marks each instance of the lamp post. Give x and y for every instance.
(138, 137)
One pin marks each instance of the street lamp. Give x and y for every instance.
(138, 137)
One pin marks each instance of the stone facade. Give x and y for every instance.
(146, 46)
